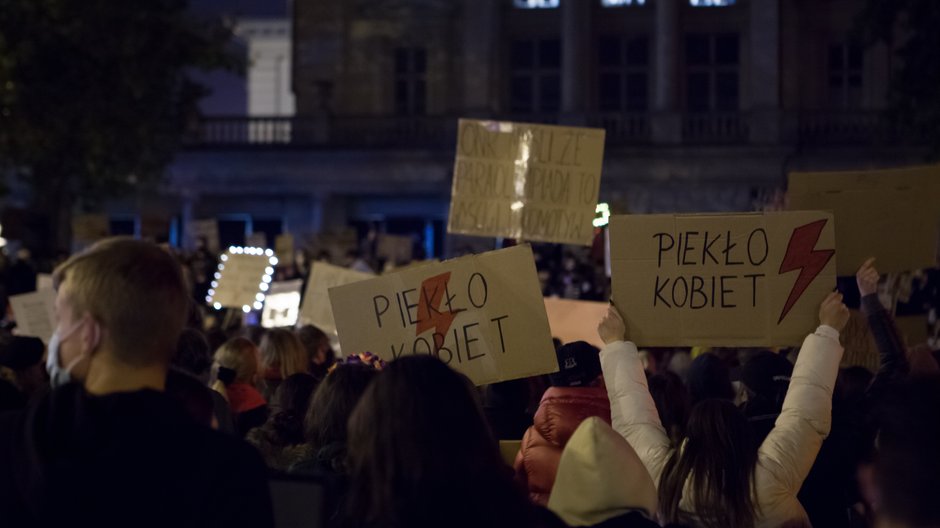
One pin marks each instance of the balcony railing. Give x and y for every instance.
(715, 128)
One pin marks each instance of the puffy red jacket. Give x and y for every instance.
(561, 411)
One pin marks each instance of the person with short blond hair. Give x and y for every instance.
(282, 355)
(107, 446)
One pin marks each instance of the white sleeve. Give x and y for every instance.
(632, 410)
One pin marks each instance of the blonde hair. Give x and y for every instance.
(282, 350)
(133, 289)
(239, 355)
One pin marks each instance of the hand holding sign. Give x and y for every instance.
(867, 278)
(612, 327)
(833, 312)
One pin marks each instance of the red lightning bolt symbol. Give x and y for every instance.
(429, 316)
(802, 255)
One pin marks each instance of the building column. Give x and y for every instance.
(575, 48)
(479, 43)
(666, 124)
(764, 75)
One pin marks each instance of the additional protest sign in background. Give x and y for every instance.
(282, 304)
(316, 309)
(207, 230)
(88, 228)
(35, 314)
(284, 247)
(244, 275)
(395, 248)
(572, 320)
(257, 239)
(524, 181)
(483, 315)
(335, 243)
(722, 280)
(892, 214)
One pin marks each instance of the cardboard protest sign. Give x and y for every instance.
(243, 277)
(483, 315)
(316, 309)
(395, 248)
(892, 214)
(282, 304)
(335, 243)
(284, 247)
(35, 314)
(524, 181)
(572, 321)
(722, 280)
(207, 230)
(90, 227)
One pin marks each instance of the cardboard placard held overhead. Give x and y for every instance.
(206, 230)
(525, 181)
(244, 276)
(282, 304)
(893, 214)
(35, 314)
(284, 248)
(316, 308)
(722, 280)
(572, 320)
(483, 315)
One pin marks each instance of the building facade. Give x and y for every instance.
(708, 104)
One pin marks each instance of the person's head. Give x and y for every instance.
(333, 403)
(282, 352)
(290, 404)
(907, 465)
(851, 384)
(120, 306)
(579, 365)
(672, 403)
(421, 453)
(719, 457)
(709, 377)
(766, 376)
(193, 354)
(237, 362)
(317, 345)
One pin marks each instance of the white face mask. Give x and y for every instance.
(58, 375)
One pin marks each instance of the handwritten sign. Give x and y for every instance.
(35, 314)
(206, 230)
(243, 276)
(722, 280)
(891, 214)
(282, 304)
(483, 315)
(284, 247)
(316, 308)
(523, 181)
(572, 320)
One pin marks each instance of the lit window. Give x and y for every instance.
(621, 3)
(536, 4)
(711, 3)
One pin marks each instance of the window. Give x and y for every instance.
(623, 68)
(535, 78)
(711, 3)
(622, 3)
(410, 81)
(845, 75)
(712, 78)
(535, 4)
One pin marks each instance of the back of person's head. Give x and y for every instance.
(317, 345)
(851, 384)
(766, 376)
(579, 365)
(134, 290)
(719, 459)
(281, 351)
(672, 402)
(333, 402)
(237, 360)
(193, 354)
(907, 467)
(421, 453)
(709, 377)
(291, 400)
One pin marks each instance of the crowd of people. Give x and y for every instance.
(136, 415)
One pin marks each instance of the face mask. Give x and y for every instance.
(59, 376)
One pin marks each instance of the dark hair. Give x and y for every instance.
(193, 353)
(907, 467)
(422, 455)
(709, 377)
(313, 339)
(333, 403)
(291, 401)
(851, 384)
(672, 402)
(718, 458)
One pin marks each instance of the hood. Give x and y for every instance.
(600, 477)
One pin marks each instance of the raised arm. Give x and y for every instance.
(632, 410)
(790, 449)
(892, 362)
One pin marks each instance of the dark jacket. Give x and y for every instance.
(126, 459)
